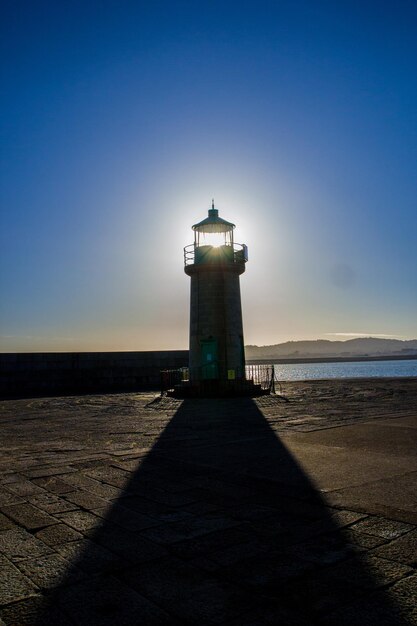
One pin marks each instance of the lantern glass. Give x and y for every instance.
(214, 239)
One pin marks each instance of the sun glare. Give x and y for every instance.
(212, 239)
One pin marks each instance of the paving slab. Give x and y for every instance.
(49, 571)
(403, 549)
(28, 516)
(34, 610)
(90, 557)
(50, 503)
(14, 585)
(381, 527)
(8, 498)
(24, 488)
(58, 534)
(86, 500)
(48, 471)
(18, 544)
(54, 484)
(79, 480)
(5, 522)
(79, 520)
(126, 518)
(186, 592)
(106, 601)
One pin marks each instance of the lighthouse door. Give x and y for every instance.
(209, 359)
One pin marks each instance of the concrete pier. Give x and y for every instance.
(130, 509)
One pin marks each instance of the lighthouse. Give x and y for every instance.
(214, 263)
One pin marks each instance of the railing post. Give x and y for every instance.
(272, 387)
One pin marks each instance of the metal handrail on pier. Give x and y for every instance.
(259, 374)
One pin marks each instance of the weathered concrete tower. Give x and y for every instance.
(214, 263)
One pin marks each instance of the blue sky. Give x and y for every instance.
(121, 120)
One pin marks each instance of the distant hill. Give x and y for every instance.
(364, 346)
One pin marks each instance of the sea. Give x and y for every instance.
(351, 369)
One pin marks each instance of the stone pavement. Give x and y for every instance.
(128, 509)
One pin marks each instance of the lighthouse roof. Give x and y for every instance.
(213, 223)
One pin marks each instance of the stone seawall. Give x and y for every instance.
(23, 374)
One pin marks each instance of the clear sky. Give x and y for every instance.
(121, 120)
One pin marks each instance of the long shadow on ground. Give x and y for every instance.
(220, 525)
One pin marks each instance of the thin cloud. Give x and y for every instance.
(37, 338)
(377, 335)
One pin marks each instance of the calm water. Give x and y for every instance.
(353, 369)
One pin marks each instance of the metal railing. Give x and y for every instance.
(260, 375)
(171, 378)
(263, 375)
(236, 253)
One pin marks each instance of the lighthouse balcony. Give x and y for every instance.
(215, 255)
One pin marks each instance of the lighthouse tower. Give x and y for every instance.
(214, 263)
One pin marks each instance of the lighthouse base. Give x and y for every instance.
(217, 389)
(258, 380)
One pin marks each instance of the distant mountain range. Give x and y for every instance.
(364, 346)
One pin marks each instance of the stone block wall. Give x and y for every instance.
(25, 374)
